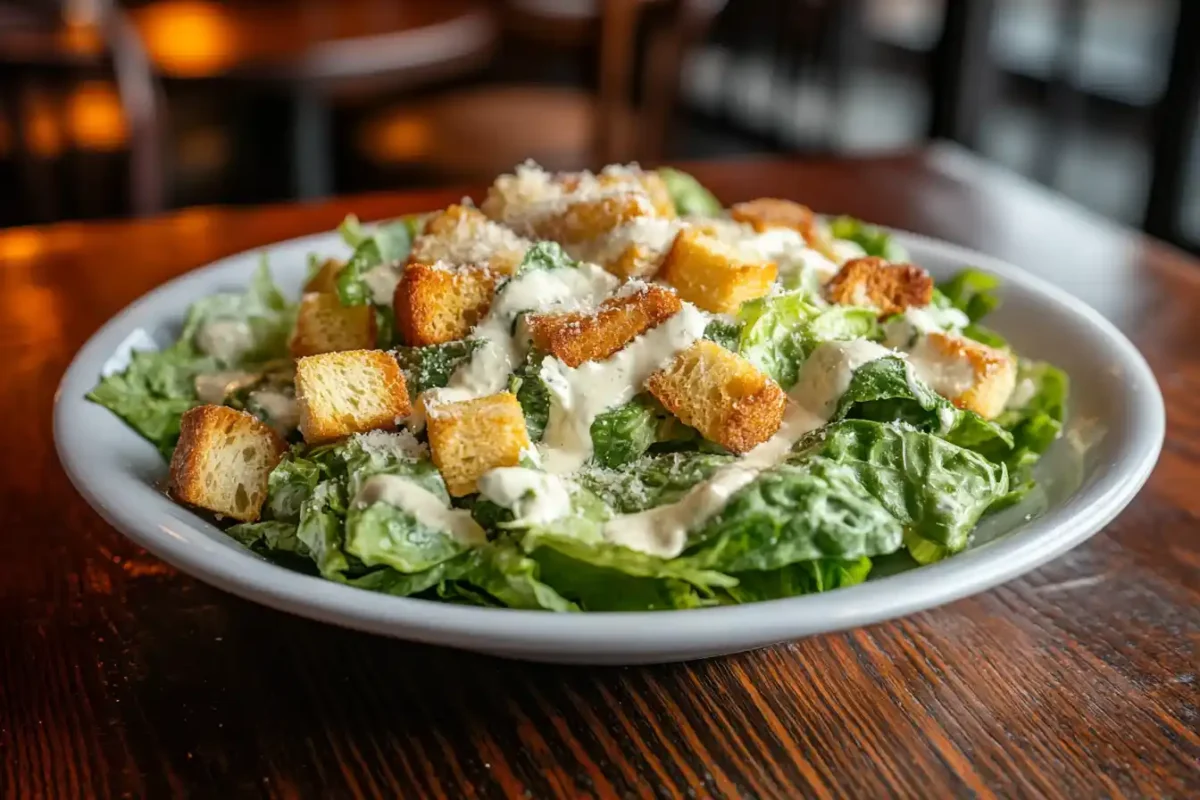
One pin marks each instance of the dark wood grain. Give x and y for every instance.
(120, 677)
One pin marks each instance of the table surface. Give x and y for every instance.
(122, 677)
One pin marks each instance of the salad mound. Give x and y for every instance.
(598, 392)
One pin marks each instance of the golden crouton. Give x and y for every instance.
(464, 235)
(966, 372)
(324, 325)
(468, 438)
(575, 337)
(721, 395)
(586, 220)
(353, 391)
(436, 304)
(222, 461)
(888, 288)
(770, 212)
(325, 280)
(715, 276)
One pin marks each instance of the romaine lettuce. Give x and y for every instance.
(624, 433)
(651, 480)
(546, 255)
(804, 577)
(688, 195)
(873, 240)
(430, 367)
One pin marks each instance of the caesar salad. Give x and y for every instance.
(598, 392)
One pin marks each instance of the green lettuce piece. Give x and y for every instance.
(724, 333)
(400, 584)
(936, 489)
(650, 481)
(780, 330)
(532, 393)
(291, 483)
(623, 434)
(972, 292)
(154, 391)
(271, 537)
(546, 255)
(513, 579)
(322, 522)
(885, 390)
(263, 309)
(688, 195)
(793, 513)
(873, 240)
(1035, 417)
(386, 243)
(383, 535)
(804, 577)
(430, 367)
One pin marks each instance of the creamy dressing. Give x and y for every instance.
(579, 395)
(534, 497)
(903, 330)
(282, 410)
(212, 387)
(844, 250)
(824, 378)
(425, 506)
(382, 281)
(489, 367)
(388, 444)
(225, 339)
(947, 374)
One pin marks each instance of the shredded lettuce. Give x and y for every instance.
(873, 240)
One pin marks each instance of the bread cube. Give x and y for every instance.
(575, 337)
(968, 373)
(436, 303)
(589, 219)
(715, 276)
(464, 235)
(468, 438)
(721, 395)
(873, 282)
(325, 280)
(223, 460)
(353, 391)
(324, 325)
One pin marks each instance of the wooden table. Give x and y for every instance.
(121, 677)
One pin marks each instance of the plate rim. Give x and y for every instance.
(655, 634)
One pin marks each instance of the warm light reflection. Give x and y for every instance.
(396, 136)
(82, 38)
(30, 315)
(188, 37)
(203, 151)
(43, 129)
(21, 244)
(94, 117)
(6, 137)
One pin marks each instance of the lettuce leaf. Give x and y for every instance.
(650, 481)
(938, 490)
(546, 255)
(623, 434)
(780, 330)
(386, 243)
(383, 535)
(972, 292)
(430, 367)
(1035, 416)
(873, 240)
(688, 195)
(792, 513)
(513, 579)
(804, 577)
(262, 308)
(532, 393)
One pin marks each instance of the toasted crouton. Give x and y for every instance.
(353, 391)
(715, 276)
(325, 279)
(468, 438)
(222, 461)
(588, 219)
(888, 288)
(766, 213)
(324, 325)
(435, 303)
(463, 235)
(721, 395)
(575, 337)
(966, 372)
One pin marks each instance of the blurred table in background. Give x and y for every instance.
(122, 677)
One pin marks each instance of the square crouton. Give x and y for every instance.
(588, 219)
(715, 276)
(630, 178)
(325, 279)
(353, 391)
(721, 395)
(966, 372)
(770, 212)
(575, 337)
(464, 235)
(324, 325)
(436, 303)
(468, 438)
(223, 460)
(889, 288)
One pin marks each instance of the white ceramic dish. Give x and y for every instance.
(1113, 440)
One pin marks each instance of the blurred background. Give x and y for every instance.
(111, 109)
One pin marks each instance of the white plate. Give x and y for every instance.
(1113, 440)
